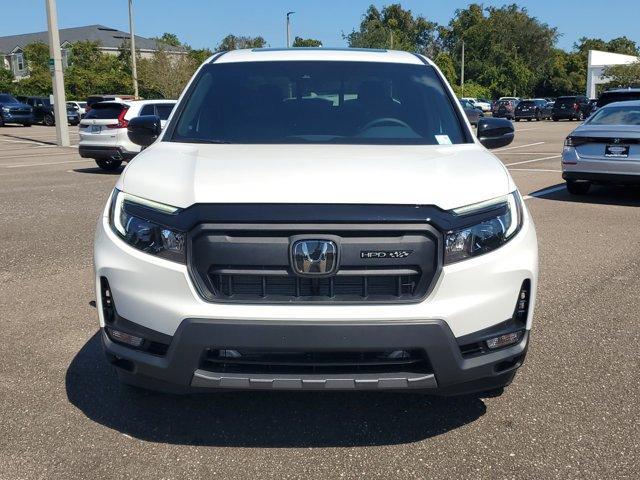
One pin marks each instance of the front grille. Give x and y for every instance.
(286, 286)
(315, 362)
(255, 266)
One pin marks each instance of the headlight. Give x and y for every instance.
(143, 234)
(6, 109)
(488, 234)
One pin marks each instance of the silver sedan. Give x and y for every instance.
(604, 149)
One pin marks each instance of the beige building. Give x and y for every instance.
(110, 40)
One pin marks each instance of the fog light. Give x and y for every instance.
(504, 340)
(126, 338)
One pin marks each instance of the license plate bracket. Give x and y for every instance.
(616, 151)
(96, 128)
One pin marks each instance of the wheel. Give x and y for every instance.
(529, 119)
(49, 121)
(108, 164)
(517, 119)
(555, 119)
(1, 121)
(578, 188)
(538, 117)
(26, 124)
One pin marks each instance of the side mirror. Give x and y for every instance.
(144, 130)
(495, 132)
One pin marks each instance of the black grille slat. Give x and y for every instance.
(294, 288)
(314, 362)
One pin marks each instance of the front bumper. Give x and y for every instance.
(17, 118)
(449, 372)
(468, 298)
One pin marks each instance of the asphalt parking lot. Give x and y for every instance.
(572, 411)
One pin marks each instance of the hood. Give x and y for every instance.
(607, 131)
(447, 176)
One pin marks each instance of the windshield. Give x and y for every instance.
(616, 115)
(318, 102)
(8, 99)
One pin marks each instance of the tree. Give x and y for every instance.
(506, 49)
(444, 61)
(394, 28)
(169, 39)
(38, 82)
(6, 80)
(165, 74)
(306, 42)
(623, 75)
(36, 55)
(231, 42)
(92, 71)
(199, 55)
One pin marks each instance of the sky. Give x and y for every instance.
(203, 23)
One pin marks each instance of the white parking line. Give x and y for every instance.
(517, 146)
(533, 170)
(542, 193)
(532, 160)
(47, 163)
(531, 153)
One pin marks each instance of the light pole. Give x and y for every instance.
(289, 28)
(55, 65)
(132, 37)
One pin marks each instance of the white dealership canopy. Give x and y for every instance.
(597, 62)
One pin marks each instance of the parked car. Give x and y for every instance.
(103, 131)
(483, 105)
(80, 107)
(604, 149)
(92, 99)
(506, 108)
(14, 111)
(472, 112)
(364, 239)
(534, 109)
(574, 107)
(43, 111)
(616, 95)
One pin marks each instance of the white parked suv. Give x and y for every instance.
(103, 130)
(316, 219)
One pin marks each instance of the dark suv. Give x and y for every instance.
(532, 109)
(616, 95)
(43, 111)
(13, 111)
(575, 107)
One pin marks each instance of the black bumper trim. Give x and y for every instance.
(602, 177)
(99, 153)
(180, 369)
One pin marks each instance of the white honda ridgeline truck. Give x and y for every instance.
(315, 219)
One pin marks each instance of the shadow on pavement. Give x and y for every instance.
(260, 419)
(625, 196)
(98, 171)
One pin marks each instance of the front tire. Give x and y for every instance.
(555, 119)
(26, 124)
(578, 188)
(49, 121)
(108, 164)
